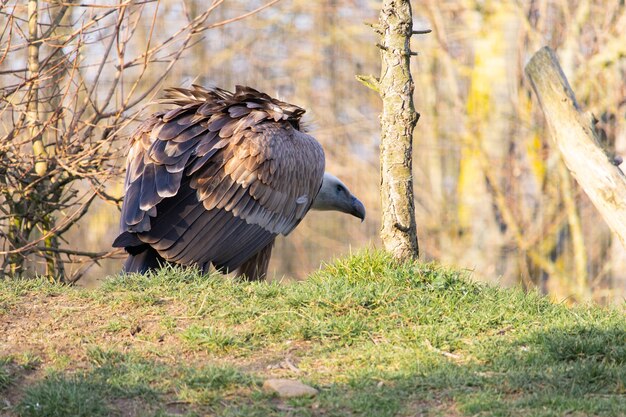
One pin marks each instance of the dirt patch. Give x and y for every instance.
(22, 379)
(60, 327)
(132, 407)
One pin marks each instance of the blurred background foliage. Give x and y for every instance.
(492, 194)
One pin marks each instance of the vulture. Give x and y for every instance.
(216, 177)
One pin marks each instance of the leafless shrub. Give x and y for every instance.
(73, 76)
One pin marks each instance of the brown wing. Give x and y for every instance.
(218, 177)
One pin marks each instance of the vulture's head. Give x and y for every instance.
(334, 195)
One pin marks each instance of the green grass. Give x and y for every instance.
(376, 338)
(5, 375)
(59, 396)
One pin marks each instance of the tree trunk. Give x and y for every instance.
(32, 107)
(398, 119)
(572, 131)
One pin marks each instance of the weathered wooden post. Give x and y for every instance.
(573, 132)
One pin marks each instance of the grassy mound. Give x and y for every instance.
(376, 338)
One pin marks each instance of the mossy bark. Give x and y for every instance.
(398, 119)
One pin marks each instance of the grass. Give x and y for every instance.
(376, 339)
(5, 376)
(63, 396)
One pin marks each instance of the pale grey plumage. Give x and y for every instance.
(334, 195)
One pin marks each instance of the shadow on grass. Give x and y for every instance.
(577, 370)
(558, 371)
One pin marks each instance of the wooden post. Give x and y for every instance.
(573, 133)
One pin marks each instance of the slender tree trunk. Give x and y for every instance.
(15, 261)
(18, 229)
(39, 151)
(54, 268)
(398, 119)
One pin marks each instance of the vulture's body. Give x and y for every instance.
(215, 179)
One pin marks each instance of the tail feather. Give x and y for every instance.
(255, 268)
(144, 261)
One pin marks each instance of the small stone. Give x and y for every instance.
(289, 388)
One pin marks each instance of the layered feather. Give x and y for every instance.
(217, 177)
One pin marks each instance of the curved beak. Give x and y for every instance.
(358, 209)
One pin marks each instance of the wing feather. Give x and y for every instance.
(201, 162)
(148, 196)
(133, 214)
(235, 199)
(165, 237)
(205, 238)
(167, 183)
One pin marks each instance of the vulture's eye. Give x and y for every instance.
(340, 188)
